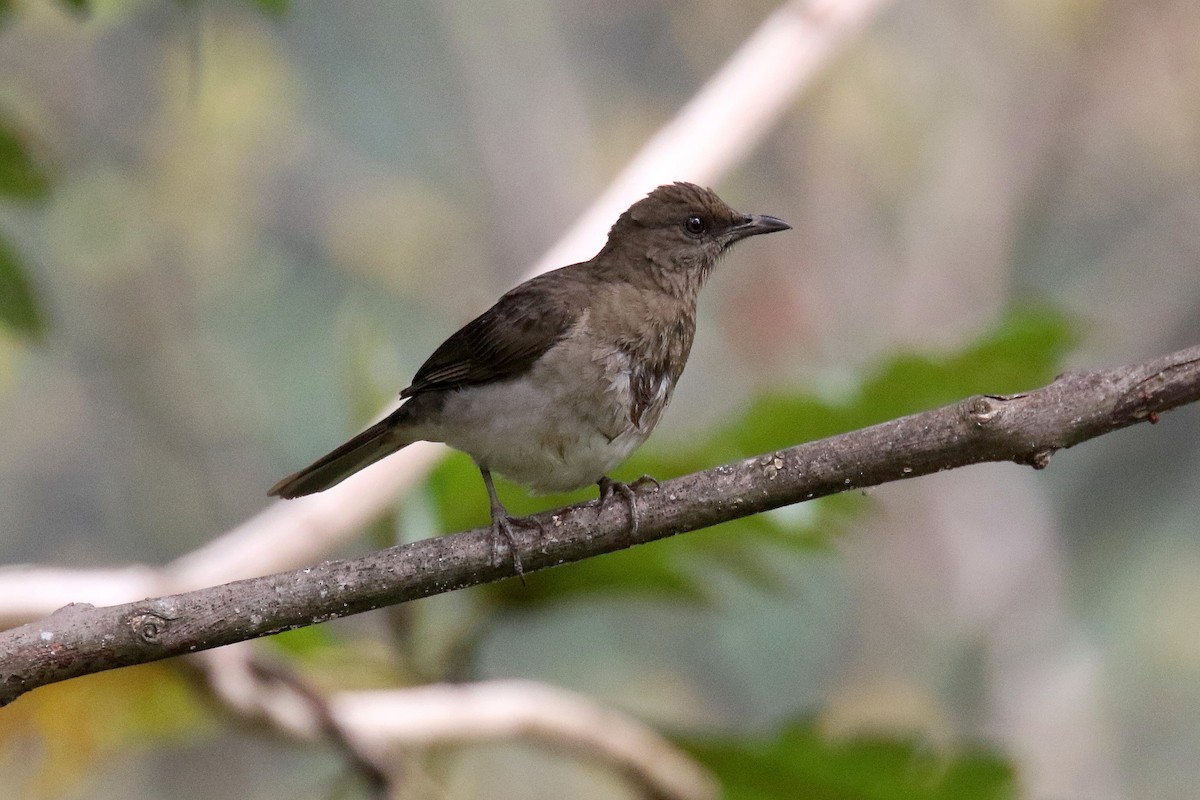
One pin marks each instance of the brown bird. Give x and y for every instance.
(568, 373)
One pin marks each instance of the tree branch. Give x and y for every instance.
(1025, 428)
(260, 689)
(501, 710)
(373, 727)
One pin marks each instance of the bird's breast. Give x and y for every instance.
(579, 412)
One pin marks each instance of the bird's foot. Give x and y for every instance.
(502, 526)
(502, 530)
(609, 487)
(644, 481)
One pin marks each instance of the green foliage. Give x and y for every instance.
(18, 306)
(20, 176)
(273, 7)
(276, 7)
(802, 763)
(304, 641)
(1021, 352)
(20, 179)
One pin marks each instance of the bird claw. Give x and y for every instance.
(502, 529)
(644, 481)
(609, 487)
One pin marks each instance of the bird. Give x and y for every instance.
(568, 373)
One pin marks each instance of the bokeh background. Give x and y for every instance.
(259, 218)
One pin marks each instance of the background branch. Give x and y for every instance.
(1026, 428)
(371, 727)
(263, 690)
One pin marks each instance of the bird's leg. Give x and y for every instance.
(502, 523)
(609, 487)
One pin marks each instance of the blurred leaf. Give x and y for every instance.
(803, 763)
(75, 726)
(276, 7)
(458, 495)
(18, 307)
(647, 571)
(20, 176)
(1024, 351)
(77, 5)
(325, 657)
(303, 642)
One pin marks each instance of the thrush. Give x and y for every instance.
(567, 374)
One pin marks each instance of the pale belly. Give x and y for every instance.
(556, 429)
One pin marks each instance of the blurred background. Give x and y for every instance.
(245, 224)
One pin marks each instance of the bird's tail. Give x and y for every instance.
(362, 451)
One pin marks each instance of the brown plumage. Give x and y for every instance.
(561, 379)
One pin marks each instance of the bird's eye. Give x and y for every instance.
(695, 225)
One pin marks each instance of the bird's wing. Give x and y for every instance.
(507, 338)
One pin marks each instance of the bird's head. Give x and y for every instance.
(681, 230)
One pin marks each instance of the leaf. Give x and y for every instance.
(802, 762)
(82, 6)
(18, 307)
(646, 571)
(324, 657)
(1022, 352)
(275, 7)
(302, 642)
(20, 176)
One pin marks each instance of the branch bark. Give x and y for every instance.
(1026, 428)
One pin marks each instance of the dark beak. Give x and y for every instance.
(754, 224)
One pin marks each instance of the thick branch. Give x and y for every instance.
(1026, 428)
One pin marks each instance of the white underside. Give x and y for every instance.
(557, 428)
